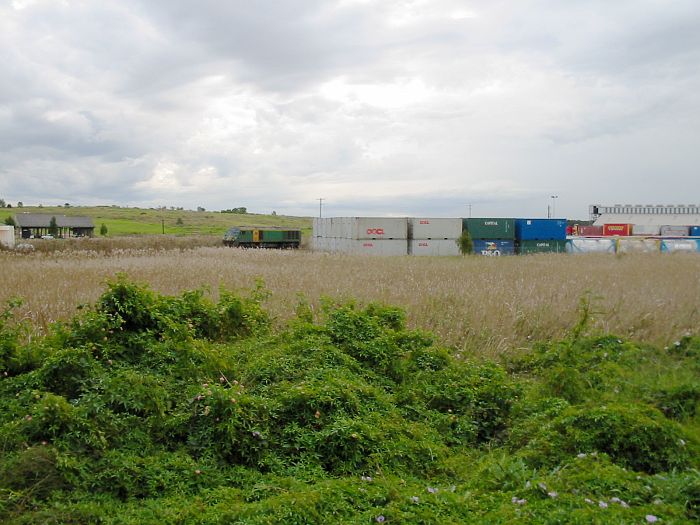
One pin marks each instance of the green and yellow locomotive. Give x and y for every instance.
(268, 237)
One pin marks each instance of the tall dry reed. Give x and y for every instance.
(482, 306)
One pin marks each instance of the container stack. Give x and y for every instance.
(7, 236)
(540, 236)
(491, 237)
(361, 235)
(431, 236)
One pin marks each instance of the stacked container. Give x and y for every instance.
(645, 229)
(430, 236)
(540, 235)
(361, 235)
(7, 236)
(631, 245)
(590, 231)
(621, 230)
(590, 246)
(675, 231)
(491, 237)
(680, 245)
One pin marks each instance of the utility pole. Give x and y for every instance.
(162, 224)
(320, 207)
(470, 210)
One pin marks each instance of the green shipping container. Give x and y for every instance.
(552, 246)
(493, 229)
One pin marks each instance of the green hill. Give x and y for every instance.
(147, 221)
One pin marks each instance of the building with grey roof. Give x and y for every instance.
(646, 214)
(33, 225)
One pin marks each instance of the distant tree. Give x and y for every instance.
(53, 227)
(465, 243)
(2, 203)
(199, 208)
(10, 221)
(66, 205)
(179, 221)
(103, 229)
(274, 212)
(9, 205)
(20, 204)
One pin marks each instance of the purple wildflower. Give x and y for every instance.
(651, 518)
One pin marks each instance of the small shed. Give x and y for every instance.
(33, 225)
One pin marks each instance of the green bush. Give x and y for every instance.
(154, 409)
(634, 436)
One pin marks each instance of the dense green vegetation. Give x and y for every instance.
(141, 221)
(157, 409)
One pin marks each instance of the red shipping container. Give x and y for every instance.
(623, 230)
(590, 231)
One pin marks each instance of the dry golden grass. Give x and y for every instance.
(484, 306)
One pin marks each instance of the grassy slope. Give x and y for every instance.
(140, 221)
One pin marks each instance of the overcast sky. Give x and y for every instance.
(381, 107)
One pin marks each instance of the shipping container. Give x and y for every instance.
(680, 245)
(695, 231)
(543, 246)
(367, 228)
(433, 247)
(590, 231)
(675, 231)
(540, 229)
(384, 247)
(490, 229)
(590, 245)
(621, 230)
(427, 228)
(645, 229)
(7, 236)
(493, 247)
(638, 246)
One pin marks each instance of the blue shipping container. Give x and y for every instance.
(695, 231)
(493, 248)
(540, 229)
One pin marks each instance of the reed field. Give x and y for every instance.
(481, 306)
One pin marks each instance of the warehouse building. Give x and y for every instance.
(37, 225)
(646, 214)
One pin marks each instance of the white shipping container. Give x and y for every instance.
(645, 229)
(427, 228)
(336, 227)
(433, 247)
(590, 246)
(638, 246)
(7, 236)
(385, 247)
(675, 231)
(362, 228)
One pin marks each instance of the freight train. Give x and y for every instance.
(263, 238)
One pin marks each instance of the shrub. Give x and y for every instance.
(633, 436)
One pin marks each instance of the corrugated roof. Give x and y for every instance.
(689, 219)
(43, 220)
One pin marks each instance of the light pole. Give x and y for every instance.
(554, 213)
(320, 207)
(470, 210)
